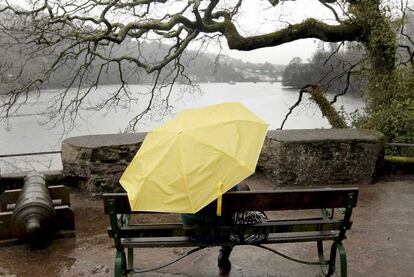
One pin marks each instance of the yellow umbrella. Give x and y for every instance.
(194, 158)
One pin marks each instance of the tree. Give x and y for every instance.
(91, 31)
(296, 74)
(337, 70)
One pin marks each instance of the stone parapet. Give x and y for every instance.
(98, 161)
(288, 158)
(321, 156)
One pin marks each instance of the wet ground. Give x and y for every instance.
(381, 243)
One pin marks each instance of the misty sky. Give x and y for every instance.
(260, 17)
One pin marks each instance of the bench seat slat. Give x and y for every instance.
(187, 242)
(175, 230)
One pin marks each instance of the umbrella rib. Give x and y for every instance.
(150, 148)
(183, 173)
(226, 122)
(150, 172)
(217, 149)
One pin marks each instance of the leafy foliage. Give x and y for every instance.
(385, 72)
(393, 116)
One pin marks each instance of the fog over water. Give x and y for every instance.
(30, 130)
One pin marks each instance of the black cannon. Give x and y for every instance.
(34, 218)
(36, 213)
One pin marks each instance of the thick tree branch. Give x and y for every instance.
(310, 28)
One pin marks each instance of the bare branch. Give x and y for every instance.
(86, 39)
(296, 104)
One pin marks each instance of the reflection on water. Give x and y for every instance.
(30, 129)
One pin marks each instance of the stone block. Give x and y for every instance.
(321, 157)
(98, 161)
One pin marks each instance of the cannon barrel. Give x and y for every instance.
(34, 216)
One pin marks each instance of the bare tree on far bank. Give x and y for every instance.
(91, 31)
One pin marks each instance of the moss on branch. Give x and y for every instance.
(327, 109)
(310, 28)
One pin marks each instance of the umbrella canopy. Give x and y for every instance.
(192, 159)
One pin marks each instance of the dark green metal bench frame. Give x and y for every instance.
(128, 236)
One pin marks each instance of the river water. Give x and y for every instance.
(30, 130)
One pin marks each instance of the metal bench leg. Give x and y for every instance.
(342, 259)
(120, 264)
(130, 264)
(323, 263)
(332, 260)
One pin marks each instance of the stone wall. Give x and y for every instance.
(97, 162)
(321, 156)
(288, 158)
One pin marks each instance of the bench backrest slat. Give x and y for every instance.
(296, 199)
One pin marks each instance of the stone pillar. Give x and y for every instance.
(97, 162)
(321, 156)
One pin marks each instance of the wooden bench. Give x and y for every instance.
(326, 227)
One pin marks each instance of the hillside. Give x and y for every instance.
(199, 67)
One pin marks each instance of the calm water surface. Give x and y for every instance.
(30, 130)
